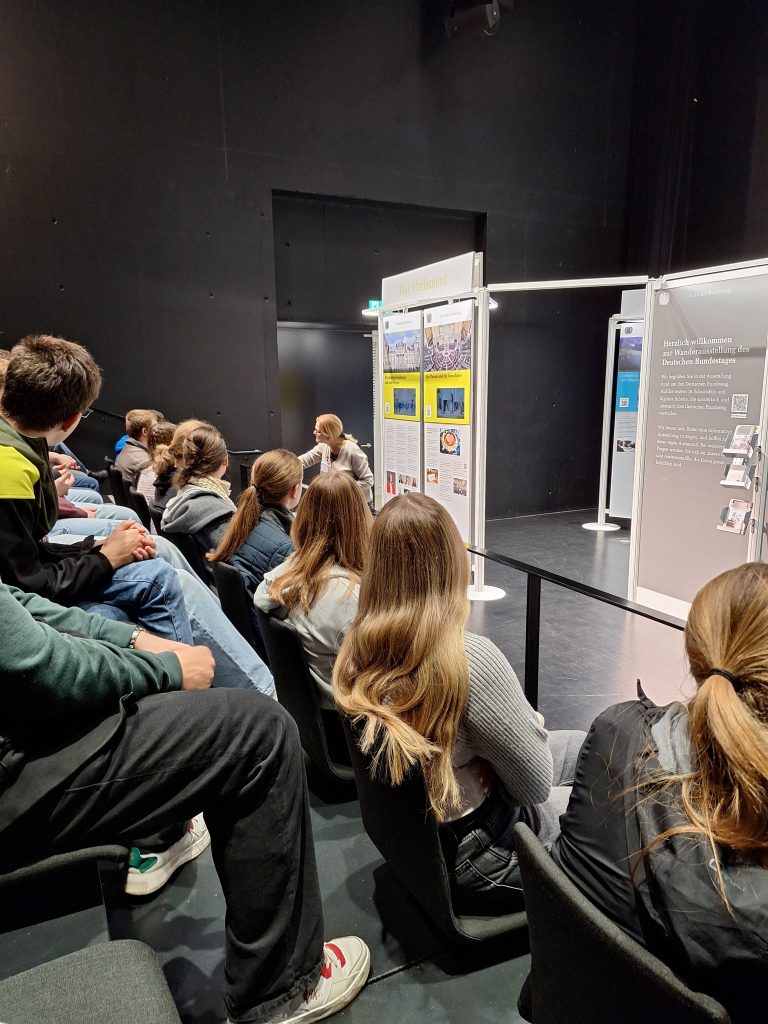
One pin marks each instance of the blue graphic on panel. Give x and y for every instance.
(628, 376)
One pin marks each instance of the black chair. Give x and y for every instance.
(237, 605)
(247, 458)
(405, 832)
(187, 546)
(140, 506)
(118, 485)
(584, 968)
(319, 730)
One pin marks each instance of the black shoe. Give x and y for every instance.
(98, 474)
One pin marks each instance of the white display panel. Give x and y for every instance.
(703, 379)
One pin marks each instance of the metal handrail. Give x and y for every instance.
(535, 574)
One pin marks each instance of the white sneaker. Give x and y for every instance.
(148, 872)
(346, 964)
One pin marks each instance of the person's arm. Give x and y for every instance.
(358, 462)
(503, 727)
(45, 671)
(262, 598)
(62, 575)
(313, 456)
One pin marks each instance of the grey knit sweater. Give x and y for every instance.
(500, 726)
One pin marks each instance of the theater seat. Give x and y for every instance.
(406, 834)
(584, 968)
(112, 983)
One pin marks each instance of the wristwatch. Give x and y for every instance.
(134, 637)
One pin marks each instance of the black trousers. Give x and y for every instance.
(236, 756)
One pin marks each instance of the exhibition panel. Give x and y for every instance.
(699, 508)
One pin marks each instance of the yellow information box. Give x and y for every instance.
(447, 396)
(402, 396)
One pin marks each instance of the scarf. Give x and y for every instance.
(215, 484)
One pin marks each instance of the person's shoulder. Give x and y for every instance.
(18, 474)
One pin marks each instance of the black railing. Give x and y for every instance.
(534, 576)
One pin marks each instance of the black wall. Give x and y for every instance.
(142, 143)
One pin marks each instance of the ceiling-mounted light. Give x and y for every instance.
(472, 16)
(370, 312)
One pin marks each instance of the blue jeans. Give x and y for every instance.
(108, 517)
(83, 496)
(149, 594)
(85, 482)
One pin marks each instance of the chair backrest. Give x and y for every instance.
(405, 832)
(118, 485)
(584, 968)
(237, 605)
(140, 506)
(297, 692)
(187, 546)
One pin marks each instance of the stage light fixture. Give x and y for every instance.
(472, 16)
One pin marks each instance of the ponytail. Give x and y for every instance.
(273, 476)
(240, 526)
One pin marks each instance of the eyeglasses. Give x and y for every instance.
(86, 414)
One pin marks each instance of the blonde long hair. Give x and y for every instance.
(725, 798)
(332, 527)
(273, 476)
(402, 673)
(330, 424)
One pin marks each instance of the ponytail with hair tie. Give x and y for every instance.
(735, 682)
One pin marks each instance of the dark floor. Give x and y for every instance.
(591, 656)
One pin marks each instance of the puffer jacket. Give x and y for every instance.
(267, 545)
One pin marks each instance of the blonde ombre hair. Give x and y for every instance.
(402, 674)
(330, 424)
(331, 529)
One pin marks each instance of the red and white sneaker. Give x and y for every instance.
(148, 872)
(346, 964)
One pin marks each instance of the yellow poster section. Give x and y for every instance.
(402, 396)
(447, 396)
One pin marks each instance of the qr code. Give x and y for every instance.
(623, 403)
(739, 404)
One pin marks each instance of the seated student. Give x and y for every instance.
(338, 452)
(428, 694)
(317, 588)
(48, 383)
(104, 744)
(156, 480)
(667, 827)
(201, 507)
(134, 455)
(258, 535)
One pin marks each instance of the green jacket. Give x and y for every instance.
(67, 680)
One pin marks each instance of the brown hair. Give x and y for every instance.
(332, 527)
(158, 444)
(47, 381)
(5, 357)
(402, 671)
(725, 798)
(273, 476)
(197, 450)
(137, 420)
(330, 424)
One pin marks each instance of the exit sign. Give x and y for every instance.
(374, 303)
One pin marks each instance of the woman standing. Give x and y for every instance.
(316, 589)
(426, 694)
(338, 452)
